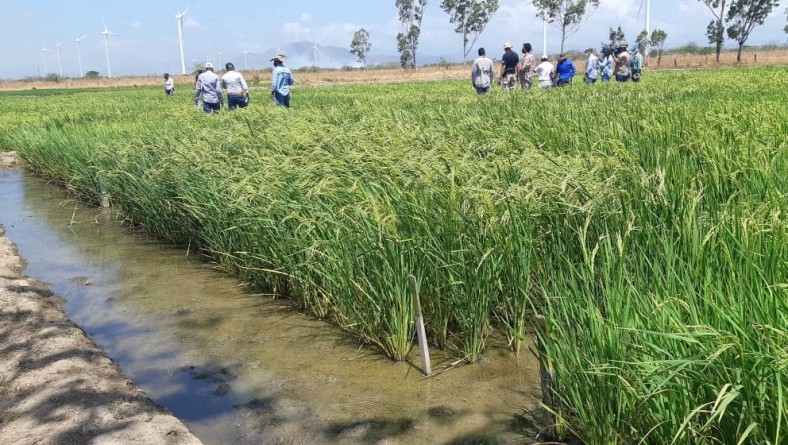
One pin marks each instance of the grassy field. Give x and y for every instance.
(647, 222)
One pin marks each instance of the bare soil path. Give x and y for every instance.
(56, 386)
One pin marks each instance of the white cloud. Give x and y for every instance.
(305, 17)
(191, 23)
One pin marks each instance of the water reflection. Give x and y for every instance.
(241, 368)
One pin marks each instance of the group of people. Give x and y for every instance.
(615, 62)
(208, 87)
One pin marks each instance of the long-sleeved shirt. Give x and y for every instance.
(592, 67)
(281, 79)
(482, 72)
(606, 66)
(169, 84)
(209, 86)
(234, 83)
(566, 70)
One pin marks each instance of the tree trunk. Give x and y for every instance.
(738, 55)
(719, 50)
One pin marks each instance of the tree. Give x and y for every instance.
(658, 38)
(92, 75)
(643, 41)
(360, 45)
(716, 31)
(469, 17)
(744, 16)
(616, 37)
(566, 15)
(410, 14)
(786, 17)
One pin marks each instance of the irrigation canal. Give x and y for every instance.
(239, 368)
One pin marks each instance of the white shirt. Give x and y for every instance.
(592, 66)
(169, 84)
(234, 83)
(543, 71)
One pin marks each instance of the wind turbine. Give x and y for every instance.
(59, 61)
(79, 54)
(45, 50)
(315, 50)
(246, 65)
(648, 24)
(106, 33)
(544, 37)
(179, 17)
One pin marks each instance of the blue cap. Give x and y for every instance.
(634, 48)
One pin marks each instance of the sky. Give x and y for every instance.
(146, 40)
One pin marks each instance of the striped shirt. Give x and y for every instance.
(281, 79)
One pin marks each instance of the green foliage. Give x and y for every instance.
(360, 45)
(470, 18)
(411, 12)
(643, 41)
(92, 75)
(566, 15)
(652, 235)
(658, 38)
(746, 15)
(616, 37)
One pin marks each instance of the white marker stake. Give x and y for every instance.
(425, 354)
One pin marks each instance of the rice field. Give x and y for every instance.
(647, 223)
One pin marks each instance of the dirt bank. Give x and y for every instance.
(56, 385)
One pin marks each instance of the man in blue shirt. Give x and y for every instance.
(281, 79)
(565, 71)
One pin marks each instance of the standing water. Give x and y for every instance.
(240, 368)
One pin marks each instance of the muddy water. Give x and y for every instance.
(241, 368)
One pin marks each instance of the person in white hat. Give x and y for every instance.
(281, 79)
(509, 62)
(210, 88)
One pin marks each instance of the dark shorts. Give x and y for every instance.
(482, 90)
(635, 75)
(621, 78)
(209, 107)
(169, 92)
(282, 100)
(563, 82)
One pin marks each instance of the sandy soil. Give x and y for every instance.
(56, 386)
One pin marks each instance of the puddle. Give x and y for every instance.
(239, 368)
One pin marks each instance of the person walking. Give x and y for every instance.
(169, 85)
(526, 67)
(509, 62)
(621, 63)
(637, 63)
(237, 90)
(565, 71)
(210, 89)
(482, 73)
(281, 80)
(606, 65)
(544, 73)
(592, 67)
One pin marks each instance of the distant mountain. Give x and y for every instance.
(301, 54)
